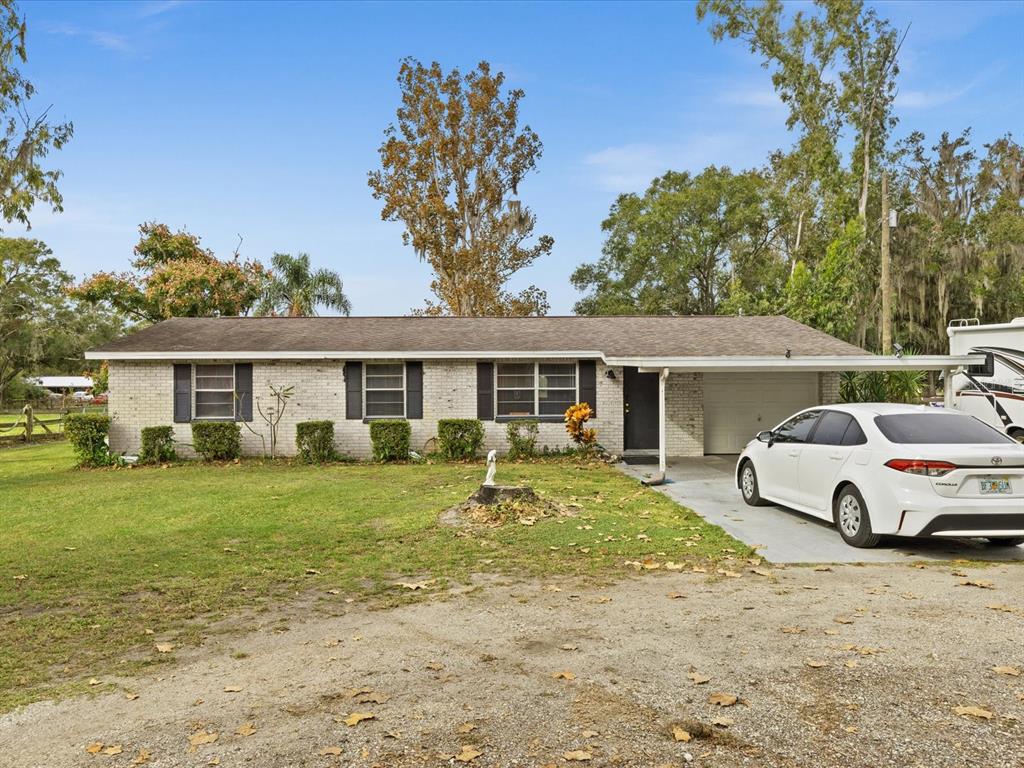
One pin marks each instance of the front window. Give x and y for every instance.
(385, 390)
(535, 389)
(215, 391)
(797, 429)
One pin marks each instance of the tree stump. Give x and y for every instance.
(494, 494)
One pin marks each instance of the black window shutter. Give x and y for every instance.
(243, 391)
(182, 393)
(588, 384)
(414, 390)
(485, 391)
(353, 390)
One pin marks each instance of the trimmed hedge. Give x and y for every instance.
(87, 433)
(315, 441)
(390, 438)
(157, 445)
(459, 438)
(522, 438)
(217, 440)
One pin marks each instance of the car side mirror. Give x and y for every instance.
(767, 436)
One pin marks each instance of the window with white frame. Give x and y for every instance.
(535, 389)
(384, 386)
(215, 391)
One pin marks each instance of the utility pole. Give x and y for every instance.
(886, 271)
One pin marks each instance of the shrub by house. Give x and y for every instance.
(390, 439)
(314, 441)
(87, 433)
(217, 440)
(459, 439)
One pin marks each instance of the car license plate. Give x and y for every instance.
(995, 485)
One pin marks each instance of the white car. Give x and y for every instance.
(878, 469)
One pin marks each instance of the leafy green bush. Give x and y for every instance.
(390, 439)
(522, 438)
(157, 445)
(217, 440)
(315, 441)
(459, 438)
(87, 433)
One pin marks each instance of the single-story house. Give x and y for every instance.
(675, 386)
(61, 384)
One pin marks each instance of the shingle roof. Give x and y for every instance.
(619, 336)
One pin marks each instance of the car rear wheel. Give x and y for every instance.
(1005, 541)
(749, 487)
(852, 520)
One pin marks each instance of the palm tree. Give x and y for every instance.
(295, 291)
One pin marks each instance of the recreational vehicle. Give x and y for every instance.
(995, 395)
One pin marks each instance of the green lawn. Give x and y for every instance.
(91, 560)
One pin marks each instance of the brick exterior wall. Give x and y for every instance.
(141, 395)
(828, 388)
(684, 407)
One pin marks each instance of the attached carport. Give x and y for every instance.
(753, 393)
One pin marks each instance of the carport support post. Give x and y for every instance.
(662, 378)
(947, 387)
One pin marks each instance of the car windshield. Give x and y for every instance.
(938, 428)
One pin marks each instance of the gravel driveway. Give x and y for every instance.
(853, 666)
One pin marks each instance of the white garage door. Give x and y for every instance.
(739, 405)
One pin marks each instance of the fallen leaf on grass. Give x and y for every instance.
(851, 729)
(851, 664)
(312, 572)
(793, 630)
(676, 595)
(468, 754)
(697, 678)
(1012, 671)
(973, 712)
(245, 729)
(436, 666)
(371, 697)
(1000, 607)
(94, 747)
(722, 699)
(577, 756)
(815, 663)
(568, 647)
(113, 749)
(590, 734)
(131, 696)
(143, 757)
(843, 620)
(762, 572)
(357, 717)
(466, 728)
(823, 568)
(722, 721)
(164, 647)
(414, 585)
(565, 674)
(981, 583)
(202, 737)
(94, 681)
(232, 688)
(330, 751)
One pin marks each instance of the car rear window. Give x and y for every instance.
(937, 428)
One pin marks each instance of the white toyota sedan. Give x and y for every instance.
(877, 469)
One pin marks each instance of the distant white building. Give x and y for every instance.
(60, 384)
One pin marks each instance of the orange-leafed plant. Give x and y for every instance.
(576, 418)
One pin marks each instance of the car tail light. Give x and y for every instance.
(921, 467)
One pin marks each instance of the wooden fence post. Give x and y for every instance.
(29, 421)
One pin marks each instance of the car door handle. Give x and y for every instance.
(794, 452)
(835, 456)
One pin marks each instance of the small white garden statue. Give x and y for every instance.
(492, 461)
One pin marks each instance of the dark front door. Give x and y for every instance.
(640, 404)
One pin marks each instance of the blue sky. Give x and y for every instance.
(262, 119)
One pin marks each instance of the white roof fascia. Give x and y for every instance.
(341, 355)
(805, 363)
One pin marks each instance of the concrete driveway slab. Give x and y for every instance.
(705, 485)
